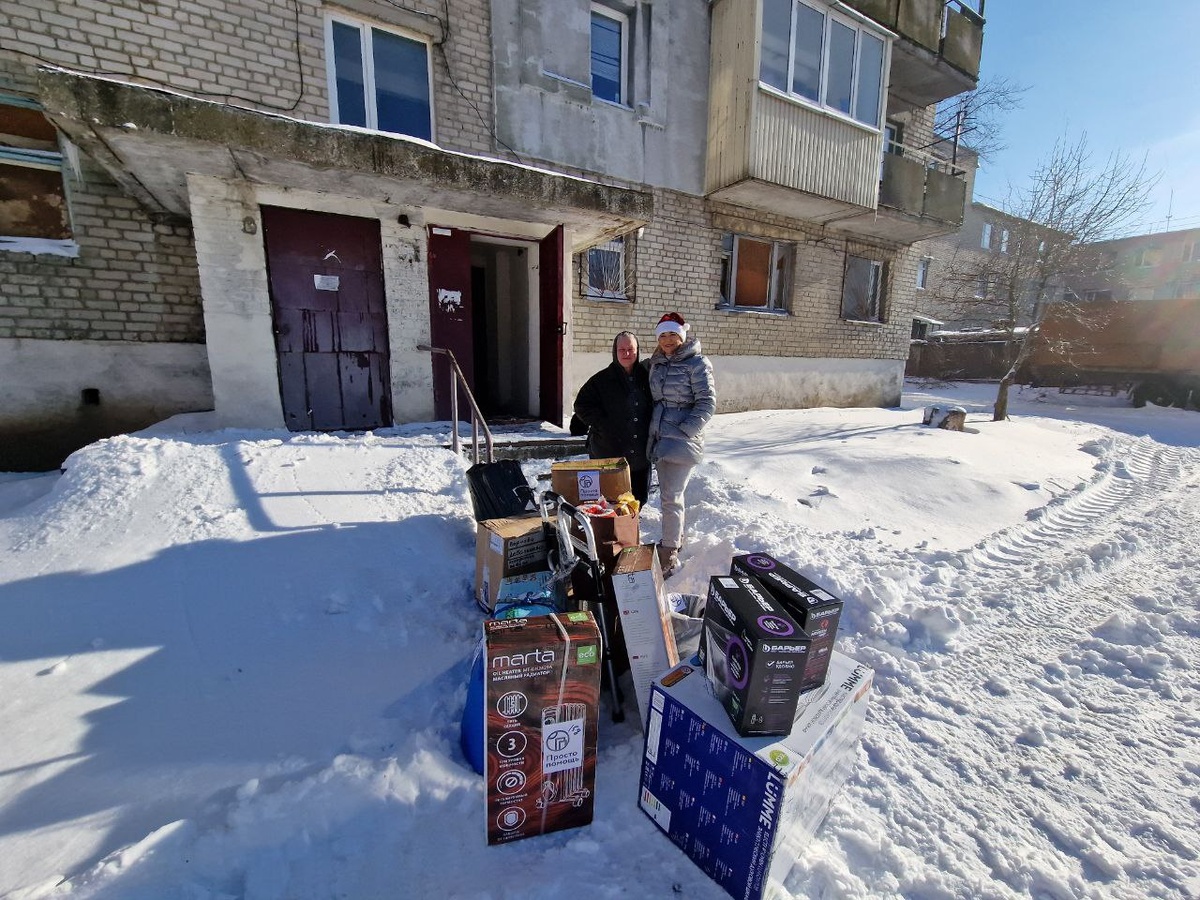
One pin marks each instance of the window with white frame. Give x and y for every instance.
(605, 271)
(378, 78)
(1191, 251)
(1004, 240)
(982, 284)
(815, 54)
(756, 273)
(985, 241)
(923, 272)
(33, 200)
(610, 55)
(863, 289)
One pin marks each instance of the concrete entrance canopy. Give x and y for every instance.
(150, 140)
(218, 166)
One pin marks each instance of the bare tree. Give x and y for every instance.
(1052, 226)
(975, 119)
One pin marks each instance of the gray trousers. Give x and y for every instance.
(672, 482)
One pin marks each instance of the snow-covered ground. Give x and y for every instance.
(232, 665)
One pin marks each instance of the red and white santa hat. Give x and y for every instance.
(671, 323)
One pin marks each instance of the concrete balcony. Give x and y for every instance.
(771, 151)
(920, 196)
(937, 55)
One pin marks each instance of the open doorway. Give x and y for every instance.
(497, 304)
(505, 326)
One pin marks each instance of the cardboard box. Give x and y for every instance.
(754, 655)
(541, 702)
(612, 533)
(637, 585)
(744, 808)
(583, 480)
(503, 548)
(815, 609)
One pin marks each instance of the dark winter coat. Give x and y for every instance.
(685, 398)
(616, 409)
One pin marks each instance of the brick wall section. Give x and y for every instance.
(465, 60)
(134, 280)
(678, 266)
(256, 53)
(262, 54)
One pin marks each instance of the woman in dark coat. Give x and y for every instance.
(615, 405)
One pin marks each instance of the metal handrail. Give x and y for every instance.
(477, 420)
(925, 158)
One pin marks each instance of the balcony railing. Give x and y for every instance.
(927, 159)
(938, 53)
(924, 188)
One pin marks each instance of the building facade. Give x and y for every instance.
(272, 210)
(1161, 266)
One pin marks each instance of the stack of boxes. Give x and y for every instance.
(538, 697)
(814, 609)
(747, 745)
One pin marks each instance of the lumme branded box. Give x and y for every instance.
(503, 548)
(815, 610)
(744, 808)
(637, 587)
(754, 655)
(541, 706)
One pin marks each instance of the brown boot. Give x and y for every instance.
(668, 560)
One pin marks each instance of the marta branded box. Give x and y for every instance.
(637, 586)
(503, 548)
(541, 702)
(815, 609)
(744, 808)
(585, 480)
(754, 654)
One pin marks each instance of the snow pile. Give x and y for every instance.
(232, 664)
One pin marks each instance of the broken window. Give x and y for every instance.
(863, 289)
(756, 273)
(605, 271)
(33, 201)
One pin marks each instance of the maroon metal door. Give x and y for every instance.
(450, 314)
(550, 291)
(325, 276)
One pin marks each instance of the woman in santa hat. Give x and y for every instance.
(685, 398)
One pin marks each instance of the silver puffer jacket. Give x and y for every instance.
(685, 398)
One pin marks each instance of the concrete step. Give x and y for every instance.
(530, 448)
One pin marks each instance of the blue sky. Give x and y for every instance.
(1126, 74)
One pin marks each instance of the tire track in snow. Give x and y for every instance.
(1035, 685)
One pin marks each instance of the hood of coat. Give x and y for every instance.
(637, 346)
(690, 347)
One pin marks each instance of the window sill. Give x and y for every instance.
(869, 323)
(39, 246)
(600, 298)
(752, 311)
(612, 104)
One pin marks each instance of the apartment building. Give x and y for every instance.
(1161, 266)
(962, 279)
(270, 210)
